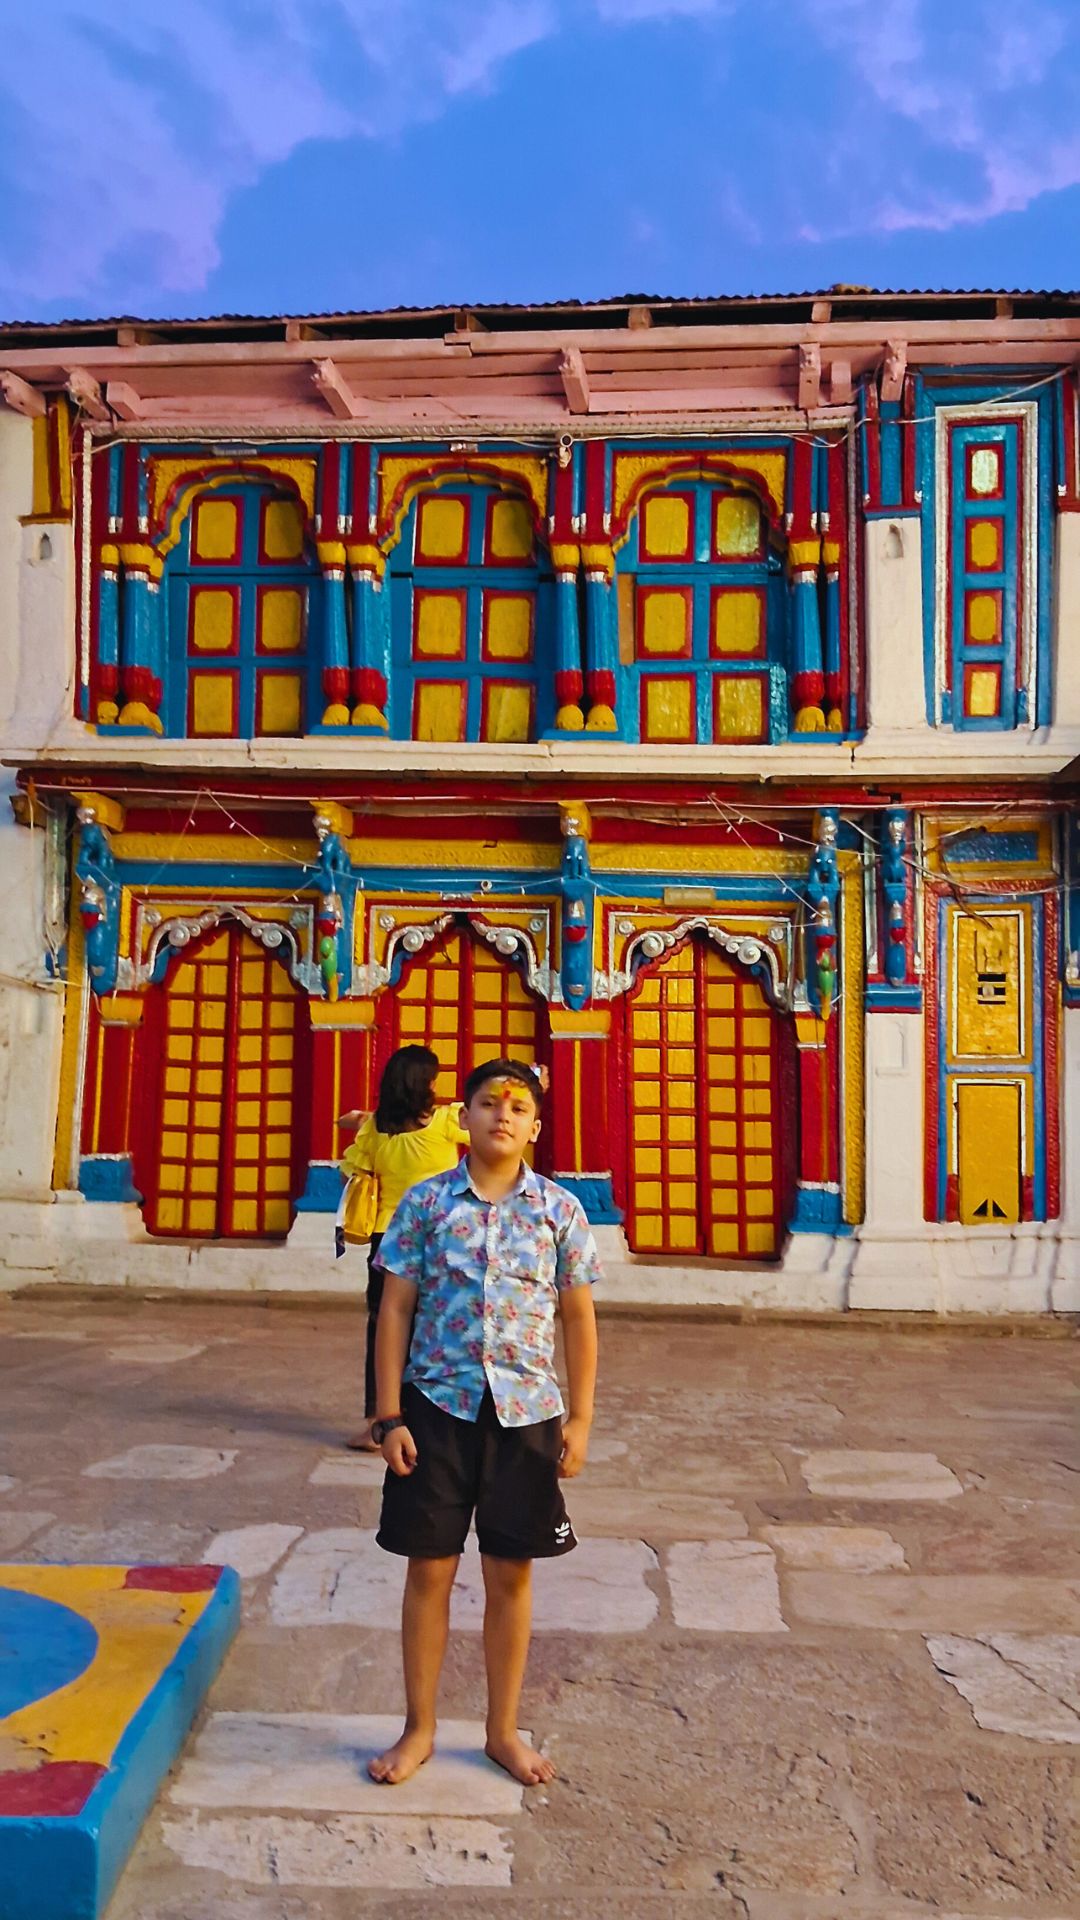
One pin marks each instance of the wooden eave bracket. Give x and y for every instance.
(575, 380)
(893, 370)
(20, 396)
(809, 377)
(331, 385)
(123, 401)
(840, 387)
(87, 395)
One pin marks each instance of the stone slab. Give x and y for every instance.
(163, 1462)
(8, 1483)
(843, 1549)
(125, 1544)
(153, 1353)
(17, 1527)
(649, 1514)
(341, 1578)
(724, 1586)
(936, 1603)
(349, 1470)
(344, 1850)
(254, 1550)
(846, 1473)
(1026, 1684)
(105, 1669)
(317, 1763)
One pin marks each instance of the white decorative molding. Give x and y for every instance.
(177, 931)
(774, 953)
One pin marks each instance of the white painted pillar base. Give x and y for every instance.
(894, 626)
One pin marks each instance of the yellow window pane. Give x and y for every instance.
(278, 1047)
(724, 1237)
(647, 1094)
(251, 1013)
(211, 1049)
(174, 1113)
(206, 1146)
(204, 1179)
(681, 1161)
(276, 1216)
(182, 978)
(279, 1113)
(982, 618)
(248, 1047)
(441, 529)
(646, 1059)
(507, 711)
(720, 1032)
(277, 1179)
(682, 1194)
(213, 709)
(247, 1146)
(761, 1239)
(487, 1023)
(173, 1146)
(722, 1133)
(446, 985)
(757, 1133)
(756, 1066)
(759, 1166)
(171, 1178)
(680, 1094)
(648, 1195)
(665, 620)
(724, 1166)
(721, 1067)
(521, 1026)
(757, 1102)
(648, 992)
(178, 1046)
(245, 1216)
(278, 1146)
(440, 626)
(984, 543)
(721, 1099)
(281, 620)
(177, 1079)
(248, 1113)
(758, 1201)
(439, 712)
(666, 529)
(647, 1160)
(279, 703)
(281, 1013)
(248, 1080)
(646, 1026)
(737, 526)
(170, 1216)
(279, 1080)
(649, 1232)
(411, 1020)
(213, 619)
(668, 709)
(251, 976)
(740, 707)
(213, 978)
(246, 1179)
(725, 1200)
(283, 530)
(646, 1126)
(679, 1028)
(682, 1232)
(181, 1012)
(757, 1030)
(680, 1126)
(680, 1060)
(737, 621)
(215, 529)
(510, 534)
(208, 1080)
(508, 626)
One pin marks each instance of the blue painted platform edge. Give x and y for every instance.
(66, 1869)
(882, 999)
(322, 1190)
(107, 1178)
(817, 1210)
(594, 1192)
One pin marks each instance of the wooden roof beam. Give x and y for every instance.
(21, 397)
(575, 380)
(123, 401)
(331, 385)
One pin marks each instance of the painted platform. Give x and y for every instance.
(102, 1670)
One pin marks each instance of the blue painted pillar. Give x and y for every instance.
(334, 676)
(140, 671)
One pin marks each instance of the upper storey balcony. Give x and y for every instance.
(768, 548)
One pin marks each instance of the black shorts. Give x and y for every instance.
(507, 1476)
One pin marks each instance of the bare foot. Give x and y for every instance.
(521, 1761)
(402, 1760)
(362, 1442)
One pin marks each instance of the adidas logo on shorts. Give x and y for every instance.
(562, 1532)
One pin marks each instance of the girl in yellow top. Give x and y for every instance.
(407, 1139)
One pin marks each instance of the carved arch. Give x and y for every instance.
(174, 935)
(292, 479)
(635, 476)
(760, 958)
(401, 480)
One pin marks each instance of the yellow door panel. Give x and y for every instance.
(988, 1128)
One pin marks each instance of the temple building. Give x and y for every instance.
(678, 694)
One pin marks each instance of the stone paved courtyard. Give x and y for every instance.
(817, 1654)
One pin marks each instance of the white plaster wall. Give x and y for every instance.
(894, 625)
(894, 1121)
(36, 610)
(1065, 711)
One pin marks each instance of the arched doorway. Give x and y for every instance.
(707, 1096)
(223, 1084)
(467, 1003)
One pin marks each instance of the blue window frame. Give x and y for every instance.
(472, 620)
(241, 596)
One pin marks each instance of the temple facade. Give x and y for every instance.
(678, 695)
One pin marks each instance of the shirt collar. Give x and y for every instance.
(460, 1181)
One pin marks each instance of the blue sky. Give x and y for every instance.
(303, 155)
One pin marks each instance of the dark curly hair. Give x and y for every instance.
(406, 1090)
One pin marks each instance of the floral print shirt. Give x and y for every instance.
(489, 1275)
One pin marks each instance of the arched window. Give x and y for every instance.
(471, 615)
(702, 618)
(240, 587)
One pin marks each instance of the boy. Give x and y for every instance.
(485, 1256)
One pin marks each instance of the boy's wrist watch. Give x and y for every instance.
(380, 1428)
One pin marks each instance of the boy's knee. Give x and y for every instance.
(431, 1576)
(507, 1576)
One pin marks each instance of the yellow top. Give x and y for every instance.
(399, 1160)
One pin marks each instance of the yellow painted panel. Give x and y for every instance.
(682, 1161)
(171, 1178)
(213, 616)
(682, 1232)
(281, 620)
(758, 1200)
(508, 712)
(277, 1179)
(440, 710)
(725, 1199)
(211, 1048)
(646, 1126)
(206, 1146)
(279, 1080)
(738, 526)
(757, 1133)
(439, 628)
(283, 530)
(181, 1012)
(982, 617)
(248, 1113)
(647, 1094)
(666, 519)
(649, 1196)
(722, 1133)
(759, 1166)
(508, 625)
(204, 1179)
(278, 1146)
(668, 711)
(982, 693)
(250, 1013)
(720, 1032)
(444, 1019)
(213, 977)
(215, 529)
(761, 1239)
(174, 1113)
(178, 1047)
(649, 1232)
(724, 1237)
(679, 1028)
(182, 978)
(665, 617)
(989, 970)
(246, 1146)
(646, 1059)
(280, 702)
(212, 703)
(756, 1066)
(246, 1179)
(281, 1013)
(251, 974)
(521, 1026)
(173, 1146)
(984, 543)
(248, 1047)
(441, 529)
(722, 1100)
(757, 1031)
(207, 1113)
(202, 1216)
(245, 1216)
(280, 1046)
(177, 1079)
(740, 707)
(724, 1166)
(648, 993)
(988, 1124)
(647, 1160)
(681, 1060)
(757, 1102)
(737, 622)
(510, 531)
(208, 1080)
(680, 1094)
(170, 1215)
(411, 1020)
(721, 1067)
(680, 1126)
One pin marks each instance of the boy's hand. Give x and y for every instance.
(399, 1451)
(575, 1447)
